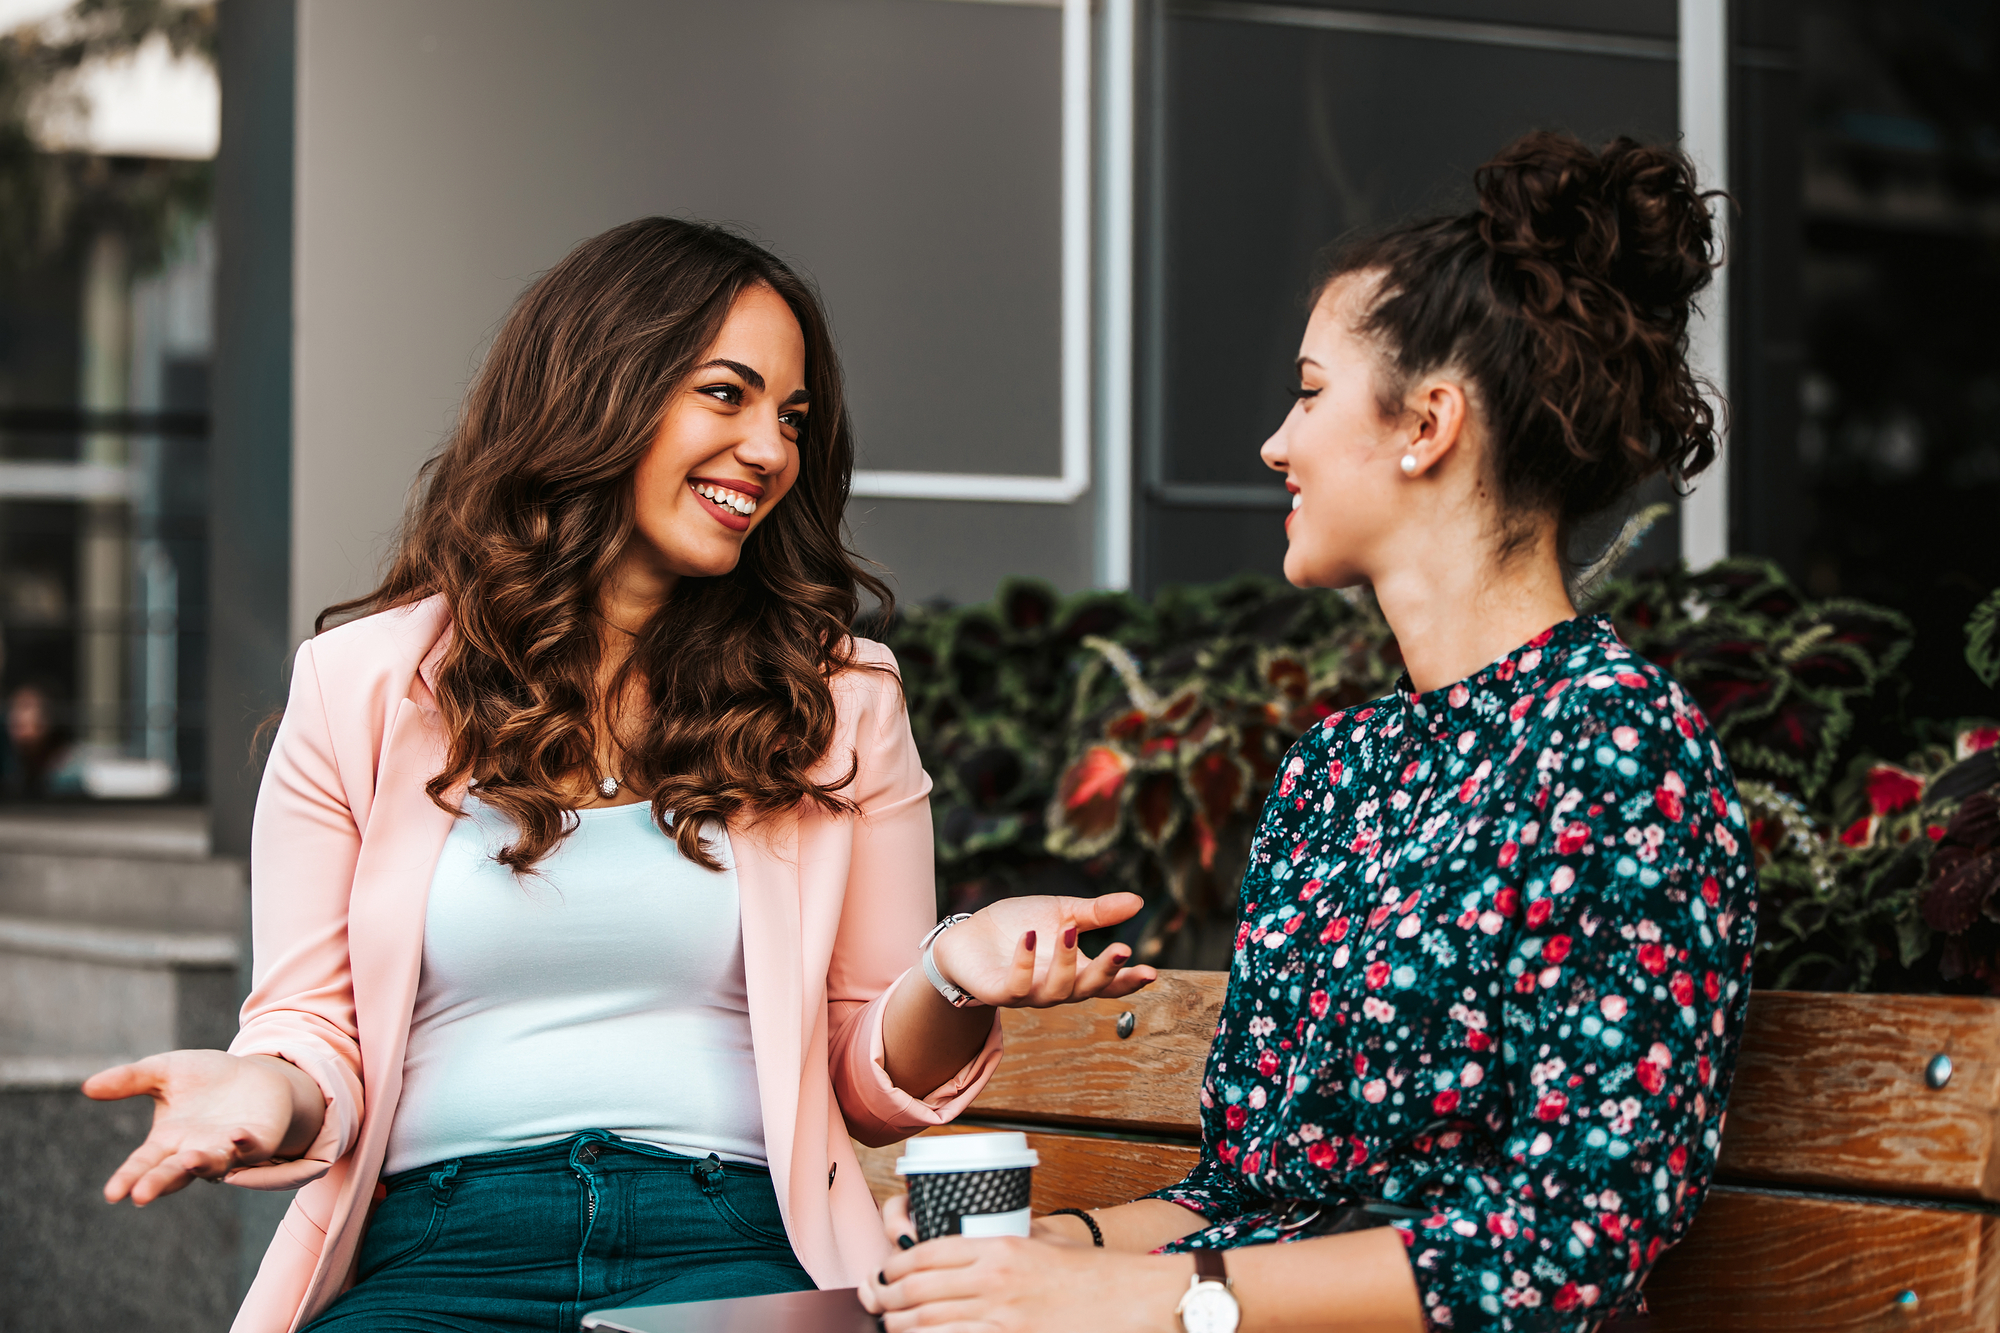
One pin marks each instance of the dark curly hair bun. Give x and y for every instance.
(1564, 297)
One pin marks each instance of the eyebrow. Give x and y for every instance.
(1305, 361)
(753, 379)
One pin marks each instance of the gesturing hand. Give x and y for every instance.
(212, 1113)
(1021, 953)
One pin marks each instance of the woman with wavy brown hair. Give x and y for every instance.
(1494, 949)
(592, 868)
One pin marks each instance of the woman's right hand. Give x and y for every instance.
(212, 1113)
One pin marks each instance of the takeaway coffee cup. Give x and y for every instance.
(968, 1184)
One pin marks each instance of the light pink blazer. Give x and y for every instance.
(341, 857)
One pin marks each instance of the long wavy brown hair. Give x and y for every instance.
(521, 517)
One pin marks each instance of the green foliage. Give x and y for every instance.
(1982, 641)
(1099, 743)
(1777, 675)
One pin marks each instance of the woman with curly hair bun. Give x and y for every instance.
(1495, 940)
(592, 869)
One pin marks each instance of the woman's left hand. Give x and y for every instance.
(1010, 1285)
(1021, 953)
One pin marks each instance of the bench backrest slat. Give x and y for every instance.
(1830, 1089)
(1070, 1065)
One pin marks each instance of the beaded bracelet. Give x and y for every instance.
(1096, 1236)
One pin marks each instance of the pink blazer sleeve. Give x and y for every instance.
(303, 848)
(891, 902)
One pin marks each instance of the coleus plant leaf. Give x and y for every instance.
(1982, 640)
(1088, 808)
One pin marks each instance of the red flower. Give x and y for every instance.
(1975, 740)
(1333, 772)
(1502, 1225)
(1704, 1071)
(1377, 975)
(1308, 889)
(1682, 989)
(1711, 986)
(1551, 1106)
(1253, 1163)
(1651, 1077)
(1711, 891)
(1335, 932)
(1571, 839)
(1321, 1154)
(1508, 851)
(1467, 790)
(1556, 949)
(1357, 1152)
(1653, 958)
(1235, 1117)
(1669, 802)
(1891, 789)
(1378, 916)
(1445, 1102)
(1859, 833)
(1567, 1298)
(1677, 1160)
(1477, 1040)
(1267, 1063)
(1538, 912)
(1317, 1001)
(1505, 901)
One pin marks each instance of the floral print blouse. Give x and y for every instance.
(1491, 969)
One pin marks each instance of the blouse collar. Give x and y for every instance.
(1523, 672)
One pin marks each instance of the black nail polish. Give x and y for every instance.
(882, 1279)
(906, 1242)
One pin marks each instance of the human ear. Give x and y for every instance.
(1438, 411)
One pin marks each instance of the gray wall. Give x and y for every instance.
(905, 153)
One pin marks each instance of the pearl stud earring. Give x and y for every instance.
(1409, 465)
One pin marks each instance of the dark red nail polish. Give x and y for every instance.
(1069, 938)
(1028, 942)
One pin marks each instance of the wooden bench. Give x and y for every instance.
(1851, 1194)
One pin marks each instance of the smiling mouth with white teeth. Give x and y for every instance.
(1297, 499)
(735, 501)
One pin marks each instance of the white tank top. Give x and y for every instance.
(604, 992)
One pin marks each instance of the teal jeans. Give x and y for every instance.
(535, 1238)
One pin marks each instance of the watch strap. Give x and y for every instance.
(1208, 1267)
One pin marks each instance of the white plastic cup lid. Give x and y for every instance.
(935, 1153)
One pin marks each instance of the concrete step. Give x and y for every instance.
(70, 1262)
(70, 988)
(146, 870)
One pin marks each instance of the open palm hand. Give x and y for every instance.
(1021, 953)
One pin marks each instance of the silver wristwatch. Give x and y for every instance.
(953, 996)
(1208, 1305)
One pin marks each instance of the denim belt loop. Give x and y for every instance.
(442, 1181)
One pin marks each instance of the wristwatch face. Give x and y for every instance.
(1209, 1308)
